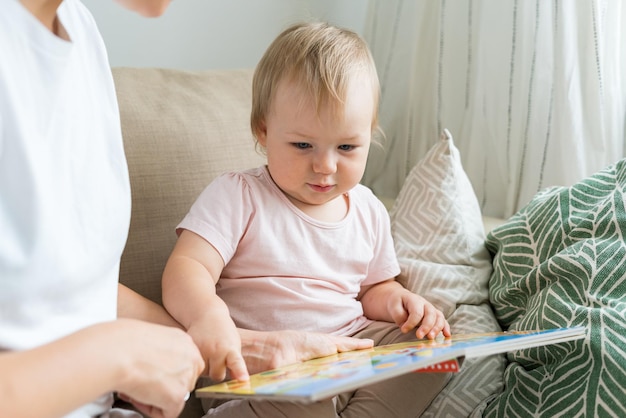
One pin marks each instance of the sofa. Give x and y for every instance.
(542, 268)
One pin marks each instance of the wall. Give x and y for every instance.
(211, 34)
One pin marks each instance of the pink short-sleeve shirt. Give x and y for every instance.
(285, 270)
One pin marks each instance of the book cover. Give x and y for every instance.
(325, 377)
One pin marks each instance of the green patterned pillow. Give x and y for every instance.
(561, 261)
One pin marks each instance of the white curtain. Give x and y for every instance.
(533, 91)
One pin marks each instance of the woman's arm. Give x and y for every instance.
(131, 304)
(151, 364)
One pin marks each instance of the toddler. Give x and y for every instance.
(299, 244)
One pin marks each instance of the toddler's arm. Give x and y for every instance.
(189, 295)
(389, 301)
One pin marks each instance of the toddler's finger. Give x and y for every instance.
(446, 329)
(217, 371)
(237, 367)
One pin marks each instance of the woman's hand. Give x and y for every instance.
(160, 365)
(152, 366)
(269, 350)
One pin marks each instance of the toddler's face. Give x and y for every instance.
(315, 157)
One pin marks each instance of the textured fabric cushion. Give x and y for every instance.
(180, 130)
(439, 237)
(561, 261)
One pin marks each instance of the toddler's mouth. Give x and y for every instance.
(321, 188)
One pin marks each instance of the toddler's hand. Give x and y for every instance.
(409, 311)
(220, 345)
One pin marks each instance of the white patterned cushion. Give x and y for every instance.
(439, 236)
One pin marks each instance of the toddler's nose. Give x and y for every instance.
(325, 163)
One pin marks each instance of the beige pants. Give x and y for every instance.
(405, 396)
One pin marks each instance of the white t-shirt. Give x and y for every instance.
(64, 187)
(284, 269)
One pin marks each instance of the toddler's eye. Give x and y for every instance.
(346, 147)
(301, 145)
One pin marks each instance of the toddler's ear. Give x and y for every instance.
(261, 133)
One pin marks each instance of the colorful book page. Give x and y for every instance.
(328, 376)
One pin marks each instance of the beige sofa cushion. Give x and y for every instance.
(180, 130)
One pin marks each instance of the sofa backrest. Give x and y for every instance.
(180, 129)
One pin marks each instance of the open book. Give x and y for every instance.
(325, 377)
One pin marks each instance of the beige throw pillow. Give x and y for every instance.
(440, 242)
(439, 233)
